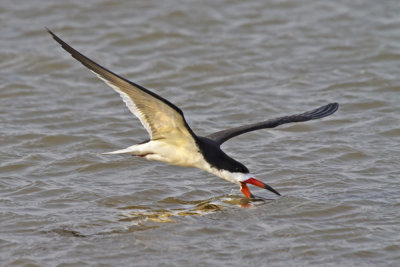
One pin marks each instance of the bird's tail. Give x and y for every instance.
(128, 150)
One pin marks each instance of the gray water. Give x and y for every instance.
(225, 63)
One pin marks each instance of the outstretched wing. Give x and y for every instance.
(318, 113)
(160, 118)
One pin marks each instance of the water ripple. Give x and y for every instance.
(224, 63)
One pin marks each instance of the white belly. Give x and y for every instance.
(175, 153)
(181, 154)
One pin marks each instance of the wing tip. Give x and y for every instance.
(51, 32)
(324, 111)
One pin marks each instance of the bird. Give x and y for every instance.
(171, 139)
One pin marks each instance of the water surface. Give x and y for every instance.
(224, 63)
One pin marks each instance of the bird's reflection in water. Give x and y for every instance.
(171, 209)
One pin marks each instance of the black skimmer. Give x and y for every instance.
(173, 141)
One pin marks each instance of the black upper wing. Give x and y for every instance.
(161, 118)
(318, 113)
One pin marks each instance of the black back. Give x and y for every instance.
(217, 158)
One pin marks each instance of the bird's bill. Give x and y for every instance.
(258, 183)
(245, 190)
